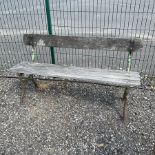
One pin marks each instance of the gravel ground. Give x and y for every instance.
(75, 119)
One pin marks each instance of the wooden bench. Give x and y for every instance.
(126, 79)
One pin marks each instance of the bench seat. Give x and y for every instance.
(92, 75)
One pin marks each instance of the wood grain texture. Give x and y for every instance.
(120, 44)
(92, 75)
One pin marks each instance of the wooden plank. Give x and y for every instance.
(120, 44)
(92, 75)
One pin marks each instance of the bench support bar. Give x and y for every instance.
(24, 82)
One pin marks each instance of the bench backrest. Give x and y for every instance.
(120, 44)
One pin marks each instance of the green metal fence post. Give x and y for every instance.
(49, 28)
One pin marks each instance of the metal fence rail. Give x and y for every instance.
(109, 18)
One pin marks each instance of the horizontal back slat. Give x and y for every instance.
(120, 44)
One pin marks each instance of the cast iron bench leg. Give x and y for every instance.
(124, 99)
(23, 83)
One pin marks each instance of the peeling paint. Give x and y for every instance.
(41, 43)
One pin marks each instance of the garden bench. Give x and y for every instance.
(126, 79)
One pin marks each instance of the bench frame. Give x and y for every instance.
(46, 40)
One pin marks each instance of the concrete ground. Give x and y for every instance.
(75, 119)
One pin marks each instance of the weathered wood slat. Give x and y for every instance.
(121, 44)
(92, 75)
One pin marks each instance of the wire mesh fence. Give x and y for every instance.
(105, 18)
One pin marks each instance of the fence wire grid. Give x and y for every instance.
(105, 18)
